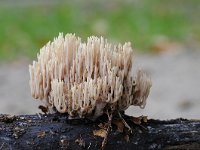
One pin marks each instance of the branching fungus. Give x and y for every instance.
(81, 79)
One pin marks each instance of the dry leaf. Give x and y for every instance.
(120, 125)
(43, 109)
(100, 132)
(138, 120)
(80, 142)
(163, 45)
(64, 143)
(144, 118)
(41, 134)
(103, 126)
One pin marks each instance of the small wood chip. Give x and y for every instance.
(101, 133)
(41, 134)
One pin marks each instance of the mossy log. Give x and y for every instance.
(56, 131)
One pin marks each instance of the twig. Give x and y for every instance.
(39, 115)
(125, 123)
(107, 131)
(143, 127)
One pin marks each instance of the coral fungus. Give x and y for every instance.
(82, 78)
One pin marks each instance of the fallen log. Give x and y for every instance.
(55, 131)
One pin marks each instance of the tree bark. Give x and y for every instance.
(56, 131)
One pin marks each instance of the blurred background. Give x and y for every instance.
(165, 35)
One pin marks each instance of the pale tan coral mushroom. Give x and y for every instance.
(82, 78)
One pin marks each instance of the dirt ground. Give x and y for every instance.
(175, 91)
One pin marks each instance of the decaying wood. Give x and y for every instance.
(57, 132)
